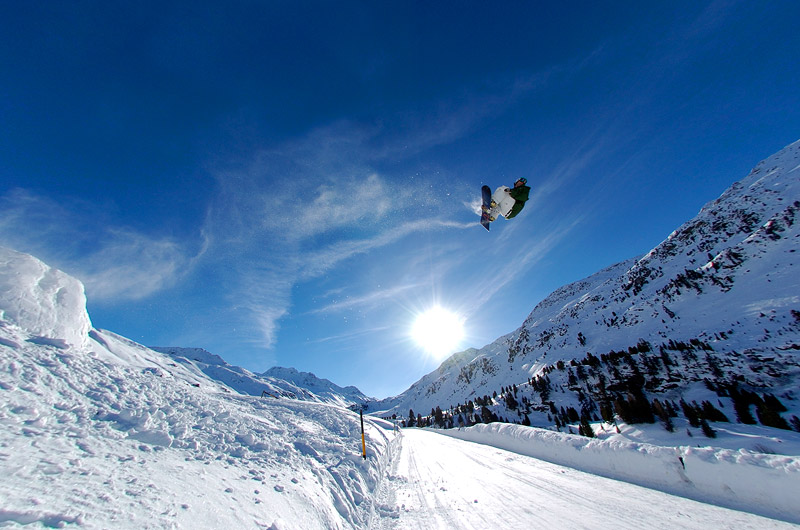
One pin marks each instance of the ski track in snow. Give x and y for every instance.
(437, 482)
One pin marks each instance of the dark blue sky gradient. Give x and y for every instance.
(252, 177)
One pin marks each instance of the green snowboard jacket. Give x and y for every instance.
(520, 195)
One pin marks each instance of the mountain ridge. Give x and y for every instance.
(275, 382)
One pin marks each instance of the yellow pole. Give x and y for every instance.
(363, 441)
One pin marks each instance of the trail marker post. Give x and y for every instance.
(363, 441)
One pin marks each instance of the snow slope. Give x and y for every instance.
(101, 432)
(727, 279)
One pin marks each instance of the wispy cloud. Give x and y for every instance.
(113, 262)
(318, 262)
(131, 266)
(367, 301)
(297, 211)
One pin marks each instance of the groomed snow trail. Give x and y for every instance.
(438, 482)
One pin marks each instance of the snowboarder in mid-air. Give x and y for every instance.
(505, 201)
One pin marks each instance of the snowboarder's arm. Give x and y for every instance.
(520, 194)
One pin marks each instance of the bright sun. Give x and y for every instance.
(438, 331)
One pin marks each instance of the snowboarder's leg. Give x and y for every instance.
(503, 202)
(505, 206)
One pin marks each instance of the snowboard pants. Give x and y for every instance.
(503, 200)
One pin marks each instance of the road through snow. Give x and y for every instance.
(439, 482)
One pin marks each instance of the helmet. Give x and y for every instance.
(523, 180)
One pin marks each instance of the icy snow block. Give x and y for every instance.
(43, 301)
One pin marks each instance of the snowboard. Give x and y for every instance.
(486, 204)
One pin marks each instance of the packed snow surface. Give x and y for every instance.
(443, 483)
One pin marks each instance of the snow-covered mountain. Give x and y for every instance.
(276, 382)
(721, 294)
(348, 395)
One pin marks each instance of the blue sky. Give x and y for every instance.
(292, 183)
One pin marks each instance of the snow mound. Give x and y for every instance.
(43, 301)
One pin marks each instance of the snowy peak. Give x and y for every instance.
(276, 382)
(197, 354)
(320, 387)
(43, 301)
(762, 205)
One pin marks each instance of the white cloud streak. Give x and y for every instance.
(368, 301)
(114, 263)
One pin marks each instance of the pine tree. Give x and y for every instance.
(769, 417)
(774, 403)
(438, 417)
(741, 405)
(663, 414)
(795, 421)
(573, 415)
(585, 429)
(691, 414)
(606, 412)
(622, 410)
(707, 430)
(511, 403)
(712, 413)
(411, 419)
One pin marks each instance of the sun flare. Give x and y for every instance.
(438, 331)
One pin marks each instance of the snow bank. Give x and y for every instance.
(99, 431)
(115, 435)
(739, 479)
(43, 301)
